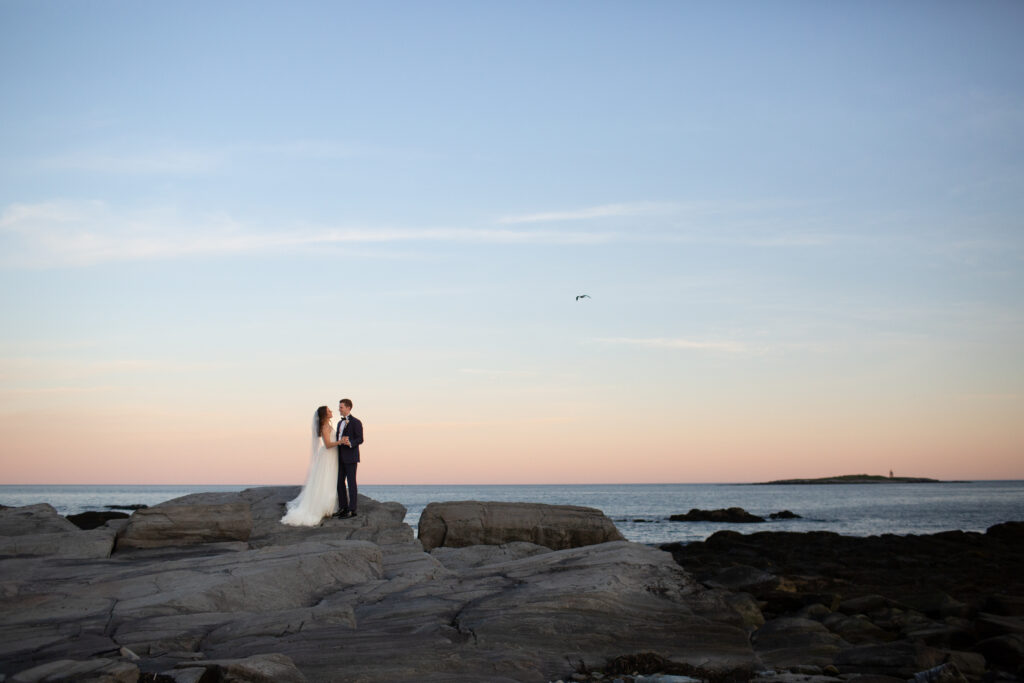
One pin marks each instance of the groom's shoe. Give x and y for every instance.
(340, 514)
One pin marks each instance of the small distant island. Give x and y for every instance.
(855, 479)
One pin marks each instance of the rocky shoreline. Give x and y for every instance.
(210, 587)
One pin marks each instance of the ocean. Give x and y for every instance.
(641, 511)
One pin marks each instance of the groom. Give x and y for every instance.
(350, 435)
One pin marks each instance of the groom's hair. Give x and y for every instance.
(347, 402)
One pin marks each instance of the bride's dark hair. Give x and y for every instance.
(321, 414)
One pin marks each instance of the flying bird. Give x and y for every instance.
(582, 296)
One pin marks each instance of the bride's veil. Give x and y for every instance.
(314, 445)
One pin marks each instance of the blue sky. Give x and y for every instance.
(800, 224)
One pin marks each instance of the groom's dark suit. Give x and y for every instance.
(348, 459)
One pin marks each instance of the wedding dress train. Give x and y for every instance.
(319, 494)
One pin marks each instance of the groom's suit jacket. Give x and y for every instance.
(354, 432)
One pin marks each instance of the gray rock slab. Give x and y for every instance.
(184, 523)
(481, 555)
(41, 518)
(81, 671)
(465, 523)
(376, 610)
(92, 544)
(524, 619)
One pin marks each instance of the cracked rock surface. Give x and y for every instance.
(356, 599)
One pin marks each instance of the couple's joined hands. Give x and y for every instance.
(345, 442)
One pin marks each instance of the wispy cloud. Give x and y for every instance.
(85, 233)
(149, 157)
(499, 373)
(724, 346)
(81, 233)
(593, 212)
(158, 161)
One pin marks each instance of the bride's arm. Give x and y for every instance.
(325, 434)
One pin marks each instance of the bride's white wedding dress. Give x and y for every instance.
(319, 494)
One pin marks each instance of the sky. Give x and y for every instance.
(800, 226)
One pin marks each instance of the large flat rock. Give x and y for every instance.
(464, 523)
(360, 599)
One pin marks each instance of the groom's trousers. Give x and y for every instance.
(347, 500)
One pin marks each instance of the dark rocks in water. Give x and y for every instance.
(93, 519)
(137, 506)
(896, 605)
(785, 514)
(729, 516)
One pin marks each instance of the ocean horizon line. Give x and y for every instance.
(478, 485)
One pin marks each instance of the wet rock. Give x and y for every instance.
(901, 659)
(733, 515)
(788, 641)
(1006, 605)
(815, 611)
(856, 629)
(92, 519)
(938, 604)
(466, 523)
(784, 514)
(746, 606)
(743, 578)
(991, 625)
(864, 604)
(1005, 652)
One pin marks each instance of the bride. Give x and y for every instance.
(319, 494)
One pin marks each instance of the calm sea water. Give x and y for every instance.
(641, 511)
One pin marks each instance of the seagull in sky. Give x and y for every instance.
(582, 296)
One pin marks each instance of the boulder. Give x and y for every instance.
(856, 629)
(466, 523)
(177, 522)
(29, 520)
(784, 514)
(269, 668)
(1006, 652)
(729, 516)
